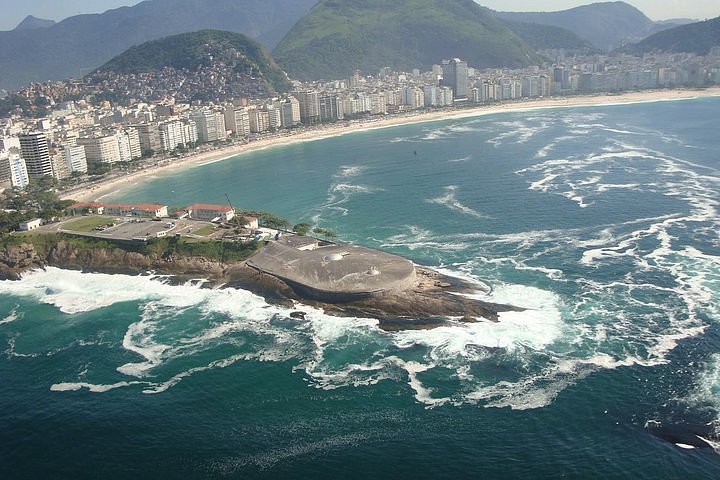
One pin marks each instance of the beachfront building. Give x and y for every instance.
(204, 211)
(101, 149)
(290, 112)
(171, 135)
(75, 159)
(35, 152)
(309, 106)
(149, 137)
(237, 120)
(81, 208)
(455, 76)
(147, 210)
(210, 125)
(259, 120)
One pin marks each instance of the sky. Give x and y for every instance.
(12, 12)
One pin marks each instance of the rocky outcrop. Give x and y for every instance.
(16, 259)
(431, 302)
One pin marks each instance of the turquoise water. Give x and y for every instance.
(602, 221)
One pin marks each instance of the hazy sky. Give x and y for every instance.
(13, 11)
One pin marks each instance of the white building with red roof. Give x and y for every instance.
(204, 211)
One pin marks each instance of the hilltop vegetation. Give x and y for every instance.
(338, 36)
(232, 56)
(696, 38)
(541, 37)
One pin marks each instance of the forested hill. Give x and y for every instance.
(337, 37)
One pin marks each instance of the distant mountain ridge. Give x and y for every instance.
(32, 23)
(338, 36)
(82, 43)
(696, 38)
(606, 25)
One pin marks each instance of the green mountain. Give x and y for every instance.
(228, 54)
(606, 25)
(83, 42)
(541, 37)
(696, 38)
(339, 36)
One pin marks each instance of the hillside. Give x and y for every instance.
(209, 64)
(338, 36)
(541, 37)
(606, 25)
(82, 43)
(696, 38)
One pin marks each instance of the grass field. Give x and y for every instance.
(204, 231)
(86, 224)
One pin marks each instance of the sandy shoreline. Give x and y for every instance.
(114, 185)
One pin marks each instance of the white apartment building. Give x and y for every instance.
(237, 120)
(75, 159)
(13, 169)
(171, 135)
(103, 149)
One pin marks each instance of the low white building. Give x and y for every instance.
(30, 225)
(203, 211)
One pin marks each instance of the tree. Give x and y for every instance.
(301, 228)
(324, 232)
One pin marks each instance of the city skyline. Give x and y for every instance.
(14, 13)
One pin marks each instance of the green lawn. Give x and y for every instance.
(86, 224)
(204, 231)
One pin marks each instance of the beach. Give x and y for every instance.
(114, 184)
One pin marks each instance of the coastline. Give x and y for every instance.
(114, 185)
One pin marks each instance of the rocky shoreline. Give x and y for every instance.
(435, 299)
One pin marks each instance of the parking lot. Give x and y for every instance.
(134, 229)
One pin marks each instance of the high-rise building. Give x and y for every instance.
(210, 125)
(171, 135)
(134, 140)
(455, 76)
(75, 158)
(13, 169)
(237, 120)
(35, 152)
(259, 120)
(309, 106)
(328, 108)
(149, 137)
(104, 149)
(290, 112)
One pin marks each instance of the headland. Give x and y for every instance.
(292, 270)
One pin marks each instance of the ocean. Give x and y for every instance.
(601, 222)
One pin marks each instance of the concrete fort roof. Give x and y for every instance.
(334, 272)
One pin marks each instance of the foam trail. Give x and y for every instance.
(449, 200)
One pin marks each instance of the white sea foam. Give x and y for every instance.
(74, 292)
(11, 317)
(706, 393)
(75, 386)
(450, 200)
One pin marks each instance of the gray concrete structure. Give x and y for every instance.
(334, 273)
